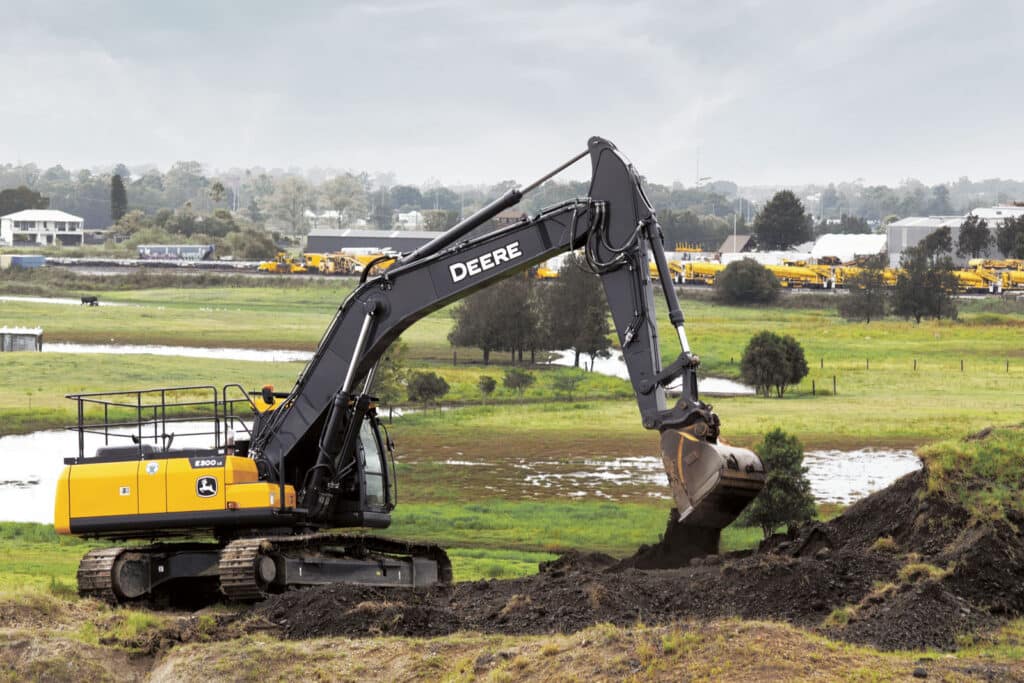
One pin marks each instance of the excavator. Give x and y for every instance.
(264, 508)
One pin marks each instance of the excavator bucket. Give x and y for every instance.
(711, 482)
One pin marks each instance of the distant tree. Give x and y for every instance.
(746, 282)
(1009, 237)
(487, 384)
(867, 295)
(565, 383)
(476, 322)
(939, 205)
(774, 362)
(253, 211)
(975, 238)
(118, 198)
(219, 223)
(426, 387)
(251, 245)
(405, 197)
(292, 196)
(440, 220)
(21, 198)
(574, 311)
(786, 498)
(517, 319)
(518, 380)
(937, 243)
(217, 192)
(782, 223)
(130, 224)
(345, 195)
(925, 285)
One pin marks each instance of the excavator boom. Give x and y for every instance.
(617, 229)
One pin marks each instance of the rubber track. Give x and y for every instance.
(238, 559)
(95, 574)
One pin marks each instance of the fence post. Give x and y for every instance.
(813, 392)
(455, 357)
(1007, 366)
(823, 362)
(867, 363)
(961, 365)
(915, 365)
(834, 392)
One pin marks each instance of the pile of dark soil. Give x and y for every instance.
(938, 577)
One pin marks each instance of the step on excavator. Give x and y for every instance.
(285, 471)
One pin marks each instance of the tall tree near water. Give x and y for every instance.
(118, 198)
(782, 223)
(575, 312)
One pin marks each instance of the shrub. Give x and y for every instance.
(518, 379)
(746, 282)
(771, 361)
(786, 497)
(487, 385)
(565, 384)
(426, 387)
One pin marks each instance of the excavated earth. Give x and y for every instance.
(942, 576)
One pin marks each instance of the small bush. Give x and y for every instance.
(518, 380)
(426, 387)
(786, 498)
(486, 385)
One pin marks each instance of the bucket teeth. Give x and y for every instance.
(711, 483)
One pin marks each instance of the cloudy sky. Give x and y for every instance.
(470, 91)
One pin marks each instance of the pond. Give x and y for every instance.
(30, 465)
(260, 355)
(615, 366)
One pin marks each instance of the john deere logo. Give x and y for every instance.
(206, 487)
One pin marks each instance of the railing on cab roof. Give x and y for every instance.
(151, 415)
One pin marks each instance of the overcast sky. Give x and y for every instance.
(762, 92)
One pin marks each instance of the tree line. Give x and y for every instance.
(701, 213)
(521, 315)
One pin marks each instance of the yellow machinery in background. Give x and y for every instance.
(283, 264)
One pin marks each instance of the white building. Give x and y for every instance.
(410, 220)
(995, 215)
(42, 226)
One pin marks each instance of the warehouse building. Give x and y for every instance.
(908, 232)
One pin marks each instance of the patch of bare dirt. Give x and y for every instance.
(801, 578)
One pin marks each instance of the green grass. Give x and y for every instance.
(551, 526)
(34, 556)
(984, 475)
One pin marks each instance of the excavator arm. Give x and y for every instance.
(310, 440)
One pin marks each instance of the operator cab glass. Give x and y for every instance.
(371, 456)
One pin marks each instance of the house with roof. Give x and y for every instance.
(42, 227)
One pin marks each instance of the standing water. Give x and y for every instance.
(615, 366)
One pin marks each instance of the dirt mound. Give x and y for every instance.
(359, 610)
(900, 569)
